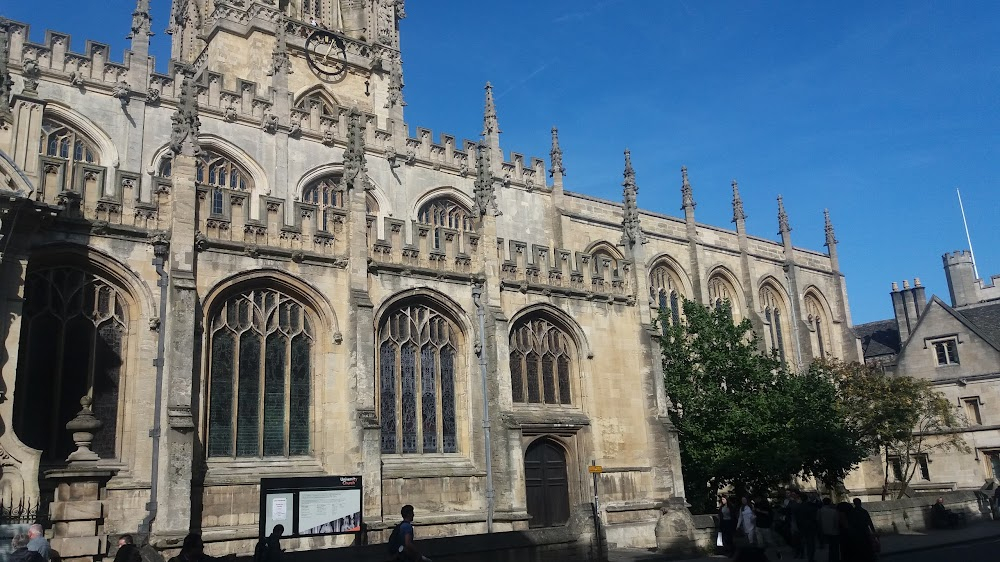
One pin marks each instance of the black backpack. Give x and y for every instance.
(395, 541)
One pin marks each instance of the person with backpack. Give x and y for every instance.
(269, 548)
(400, 544)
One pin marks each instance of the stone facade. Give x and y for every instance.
(957, 348)
(264, 275)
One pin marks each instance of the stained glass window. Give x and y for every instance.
(540, 357)
(61, 141)
(259, 376)
(417, 349)
(722, 292)
(666, 292)
(772, 315)
(73, 340)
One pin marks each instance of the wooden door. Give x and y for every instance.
(546, 485)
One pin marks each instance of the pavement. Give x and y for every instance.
(891, 544)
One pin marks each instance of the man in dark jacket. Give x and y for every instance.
(805, 520)
(127, 550)
(20, 552)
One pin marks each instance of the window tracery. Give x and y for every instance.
(605, 265)
(540, 363)
(774, 317)
(722, 292)
(260, 365)
(215, 170)
(417, 370)
(447, 213)
(666, 291)
(316, 98)
(73, 343)
(62, 141)
(818, 325)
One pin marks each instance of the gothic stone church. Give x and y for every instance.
(247, 268)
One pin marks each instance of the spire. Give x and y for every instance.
(485, 194)
(184, 133)
(6, 82)
(279, 56)
(631, 229)
(555, 155)
(355, 167)
(831, 239)
(783, 227)
(738, 214)
(687, 195)
(142, 21)
(490, 124)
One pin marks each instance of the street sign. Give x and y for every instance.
(595, 469)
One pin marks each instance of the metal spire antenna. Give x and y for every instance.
(968, 238)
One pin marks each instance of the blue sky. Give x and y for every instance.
(877, 111)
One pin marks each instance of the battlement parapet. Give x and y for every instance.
(957, 257)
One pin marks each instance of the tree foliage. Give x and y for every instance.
(899, 417)
(742, 417)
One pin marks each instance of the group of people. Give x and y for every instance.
(30, 547)
(802, 522)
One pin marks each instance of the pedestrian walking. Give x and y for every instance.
(855, 539)
(727, 524)
(401, 546)
(193, 550)
(764, 519)
(269, 548)
(747, 522)
(805, 521)
(127, 550)
(829, 527)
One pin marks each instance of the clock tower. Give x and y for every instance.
(317, 54)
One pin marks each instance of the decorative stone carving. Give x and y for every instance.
(556, 156)
(200, 241)
(141, 20)
(355, 167)
(154, 324)
(687, 194)
(252, 250)
(783, 226)
(128, 183)
(230, 113)
(831, 238)
(30, 72)
(631, 229)
(395, 88)
(152, 96)
(75, 79)
(184, 133)
(491, 124)
(279, 56)
(298, 256)
(738, 214)
(6, 82)
(484, 191)
(269, 124)
(83, 427)
(368, 419)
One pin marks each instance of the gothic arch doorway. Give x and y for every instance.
(546, 485)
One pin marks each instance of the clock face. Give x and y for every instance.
(326, 54)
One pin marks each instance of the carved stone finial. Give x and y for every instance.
(355, 166)
(831, 238)
(738, 214)
(631, 229)
(83, 427)
(687, 194)
(184, 131)
(6, 82)
(142, 21)
(401, 9)
(555, 155)
(484, 190)
(783, 227)
(490, 123)
(279, 56)
(395, 94)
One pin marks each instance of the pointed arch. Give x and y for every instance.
(445, 210)
(818, 317)
(544, 357)
(777, 320)
(13, 178)
(317, 96)
(605, 260)
(668, 287)
(724, 287)
(106, 149)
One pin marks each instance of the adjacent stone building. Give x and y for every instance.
(246, 267)
(957, 348)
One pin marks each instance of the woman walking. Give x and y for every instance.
(747, 522)
(727, 525)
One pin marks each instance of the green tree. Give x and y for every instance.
(899, 417)
(743, 419)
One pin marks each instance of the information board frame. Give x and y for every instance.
(311, 506)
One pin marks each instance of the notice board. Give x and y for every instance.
(311, 506)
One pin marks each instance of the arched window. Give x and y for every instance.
(721, 292)
(260, 364)
(216, 171)
(445, 212)
(326, 194)
(312, 11)
(540, 363)
(61, 141)
(417, 366)
(774, 316)
(73, 341)
(316, 98)
(666, 291)
(818, 325)
(605, 264)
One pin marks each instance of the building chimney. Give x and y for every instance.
(910, 301)
(919, 297)
(899, 307)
